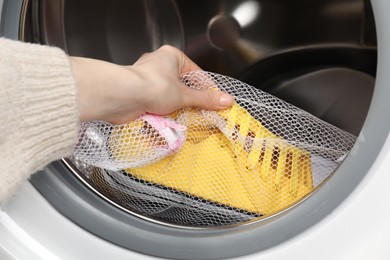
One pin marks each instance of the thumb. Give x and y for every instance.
(208, 99)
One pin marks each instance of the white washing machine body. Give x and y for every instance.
(347, 218)
(358, 229)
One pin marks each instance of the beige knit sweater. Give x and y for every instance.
(38, 111)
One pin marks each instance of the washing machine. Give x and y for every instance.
(328, 57)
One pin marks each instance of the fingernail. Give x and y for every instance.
(225, 100)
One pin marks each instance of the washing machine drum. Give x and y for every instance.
(244, 166)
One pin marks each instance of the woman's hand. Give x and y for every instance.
(119, 94)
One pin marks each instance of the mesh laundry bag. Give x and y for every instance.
(212, 168)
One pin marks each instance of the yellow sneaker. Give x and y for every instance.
(230, 158)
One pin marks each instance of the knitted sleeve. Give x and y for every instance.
(38, 111)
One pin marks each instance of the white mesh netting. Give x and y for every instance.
(212, 168)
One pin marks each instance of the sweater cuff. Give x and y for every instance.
(49, 119)
(44, 109)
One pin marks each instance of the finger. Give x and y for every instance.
(207, 99)
(187, 64)
(142, 58)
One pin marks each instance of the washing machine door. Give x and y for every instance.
(286, 48)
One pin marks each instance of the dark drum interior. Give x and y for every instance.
(318, 55)
(334, 84)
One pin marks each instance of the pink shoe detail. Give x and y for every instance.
(173, 133)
